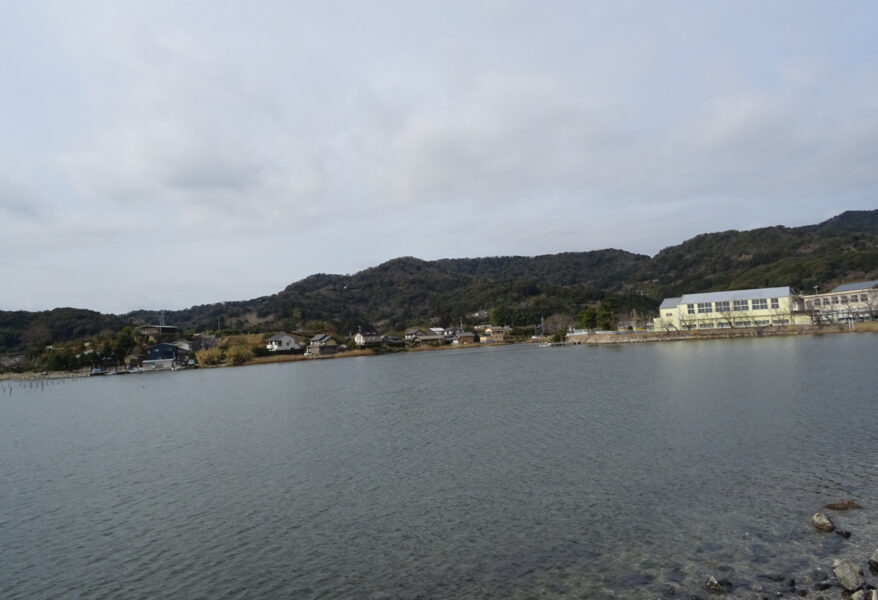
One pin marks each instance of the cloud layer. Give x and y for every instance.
(159, 155)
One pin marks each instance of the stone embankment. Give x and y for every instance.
(633, 337)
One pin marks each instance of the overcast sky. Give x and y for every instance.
(165, 154)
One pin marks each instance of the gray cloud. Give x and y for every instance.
(248, 131)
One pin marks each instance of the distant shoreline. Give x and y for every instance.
(594, 339)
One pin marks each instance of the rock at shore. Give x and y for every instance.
(718, 587)
(822, 522)
(848, 575)
(873, 561)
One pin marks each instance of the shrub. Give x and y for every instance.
(209, 356)
(238, 355)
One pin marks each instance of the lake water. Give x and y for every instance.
(507, 472)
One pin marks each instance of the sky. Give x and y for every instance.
(160, 155)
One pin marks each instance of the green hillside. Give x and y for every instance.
(518, 290)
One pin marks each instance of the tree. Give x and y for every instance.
(124, 342)
(588, 318)
(607, 314)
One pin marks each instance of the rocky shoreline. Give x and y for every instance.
(847, 579)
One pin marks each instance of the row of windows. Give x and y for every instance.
(826, 300)
(753, 323)
(737, 306)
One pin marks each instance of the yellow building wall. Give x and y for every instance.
(682, 320)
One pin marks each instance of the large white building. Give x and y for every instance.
(763, 307)
(848, 302)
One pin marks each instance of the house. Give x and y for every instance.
(393, 340)
(422, 335)
(283, 342)
(457, 336)
(165, 356)
(495, 334)
(159, 330)
(187, 345)
(413, 333)
(463, 338)
(480, 314)
(847, 302)
(322, 344)
(732, 309)
(364, 339)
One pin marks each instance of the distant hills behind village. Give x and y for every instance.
(515, 290)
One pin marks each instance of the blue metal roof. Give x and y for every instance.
(851, 287)
(775, 292)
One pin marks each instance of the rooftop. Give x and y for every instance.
(850, 287)
(775, 292)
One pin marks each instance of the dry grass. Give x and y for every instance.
(279, 358)
(247, 339)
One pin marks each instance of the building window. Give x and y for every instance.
(705, 326)
(722, 325)
(864, 298)
(690, 309)
(704, 308)
(844, 299)
(835, 299)
(809, 304)
(825, 301)
(775, 303)
(740, 305)
(742, 323)
(760, 304)
(761, 322)
(722, 307)
(669, 315)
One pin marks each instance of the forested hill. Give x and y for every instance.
(843, 248)
(519, 290)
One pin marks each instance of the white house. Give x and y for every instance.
(282, 342)
(368, 338)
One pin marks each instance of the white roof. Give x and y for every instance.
(775, 292)
(850, 287)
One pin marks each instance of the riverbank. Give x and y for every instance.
(258, 360)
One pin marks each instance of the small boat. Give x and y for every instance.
(96, 371)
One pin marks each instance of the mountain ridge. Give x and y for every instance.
(519, 289)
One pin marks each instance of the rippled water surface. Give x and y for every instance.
(517, 471)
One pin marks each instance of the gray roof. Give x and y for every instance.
(851, 287)
(279, 336)
(775, 292)
(669, 303)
